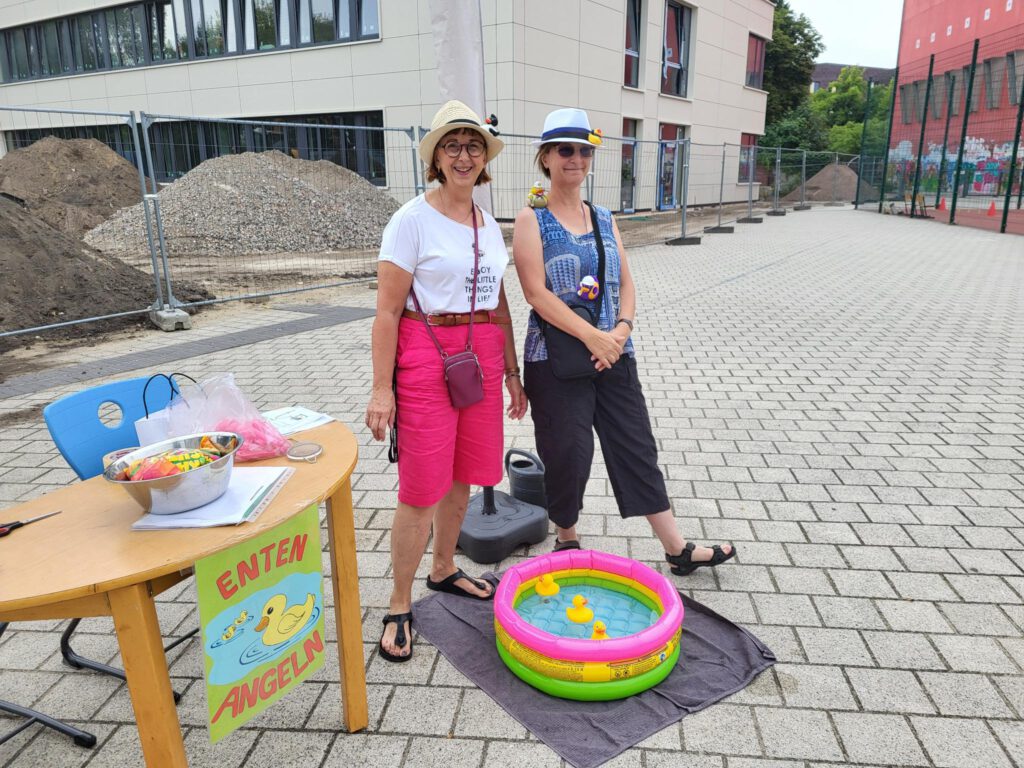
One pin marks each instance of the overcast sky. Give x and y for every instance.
(866, 32)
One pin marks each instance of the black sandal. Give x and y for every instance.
(448, 585)
(399, 619)
(562, 546)
(683, 563)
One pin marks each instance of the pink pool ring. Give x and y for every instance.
(584, 668)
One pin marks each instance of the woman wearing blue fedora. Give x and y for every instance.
(580, 367)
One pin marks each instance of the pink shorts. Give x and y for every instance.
(436, 442)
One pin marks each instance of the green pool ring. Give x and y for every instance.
(563, 689)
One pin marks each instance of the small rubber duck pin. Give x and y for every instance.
(578, 613)
(546, 586)
(600, 633)
(596, 137)
(538, 196)
(588, 288)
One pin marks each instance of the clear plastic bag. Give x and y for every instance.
(217, 404)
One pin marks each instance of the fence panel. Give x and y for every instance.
(55, 193)
(954, 154)
(260, 208)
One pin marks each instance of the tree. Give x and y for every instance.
(789, 61)
(800, 128)
(845, 139)
(844, 100)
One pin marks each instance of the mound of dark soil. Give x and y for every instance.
(50, 277)
(839, 181)
(71, 184)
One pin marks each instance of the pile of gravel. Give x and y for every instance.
(263, 202)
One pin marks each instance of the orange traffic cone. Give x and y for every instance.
(942, 204)
(992, 209)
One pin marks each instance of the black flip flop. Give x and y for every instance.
(448, 585)
(683, 564)
(399, 619)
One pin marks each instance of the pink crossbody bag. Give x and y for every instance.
(462, 371)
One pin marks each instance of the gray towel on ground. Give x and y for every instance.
(717, 658)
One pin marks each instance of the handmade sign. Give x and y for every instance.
(261, 611)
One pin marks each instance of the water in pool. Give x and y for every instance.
(622, 615)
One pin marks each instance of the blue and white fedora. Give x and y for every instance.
(568, 126)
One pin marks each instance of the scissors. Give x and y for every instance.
(7, 528)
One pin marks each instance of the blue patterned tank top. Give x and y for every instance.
(568, 258)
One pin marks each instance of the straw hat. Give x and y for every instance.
(568, 126)
(455, 116)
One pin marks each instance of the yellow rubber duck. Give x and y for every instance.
(242, 618)
(538, 197)
(579, 613)
(599, 631)
(279, 623)
(546, 586)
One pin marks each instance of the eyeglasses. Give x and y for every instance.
(454, 148)
(568, 150)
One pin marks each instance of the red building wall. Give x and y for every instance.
(948, 29)
(953, 23)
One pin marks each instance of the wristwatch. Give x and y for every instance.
(629, 323)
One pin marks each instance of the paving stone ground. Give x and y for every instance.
(841, 394)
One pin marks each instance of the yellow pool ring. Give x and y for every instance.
(584, 671)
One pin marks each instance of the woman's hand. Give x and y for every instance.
(604, 349)
(380, 413)
(621, 334)
(517, 396)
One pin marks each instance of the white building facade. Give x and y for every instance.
(645, 69)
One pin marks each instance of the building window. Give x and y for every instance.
(755, 61)
(938, 97)
(906, 104)
(676, 49)
(975, 90)
(994, 70)
(748, 156)
(632, 74)
(630, 129)
(1015, 74)
(952, 92)
(157, 31)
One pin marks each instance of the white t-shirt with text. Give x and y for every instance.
(438, 252)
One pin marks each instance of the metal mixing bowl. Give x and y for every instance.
(178, 493)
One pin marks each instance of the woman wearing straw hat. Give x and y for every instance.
(575, 275)
(440, 294)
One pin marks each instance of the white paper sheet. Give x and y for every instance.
(248, 493)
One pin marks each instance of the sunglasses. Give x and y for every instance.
(454, 148)
(568, 150)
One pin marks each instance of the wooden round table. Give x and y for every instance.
(87, 561)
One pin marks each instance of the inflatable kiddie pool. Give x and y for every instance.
(641, 612)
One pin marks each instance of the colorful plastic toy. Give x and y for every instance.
(538, 197)
(588, 288)
(640, 611)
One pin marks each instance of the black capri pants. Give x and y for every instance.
(566, 412)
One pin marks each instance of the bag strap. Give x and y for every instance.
(599, 241)
(472, 305)
(175, 390)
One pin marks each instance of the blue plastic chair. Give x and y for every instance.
(83, 440)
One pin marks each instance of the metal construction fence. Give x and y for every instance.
(952, 149)
(223, 209)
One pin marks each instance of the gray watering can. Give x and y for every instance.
(526, 477)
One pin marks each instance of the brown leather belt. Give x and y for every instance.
(460, 318)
